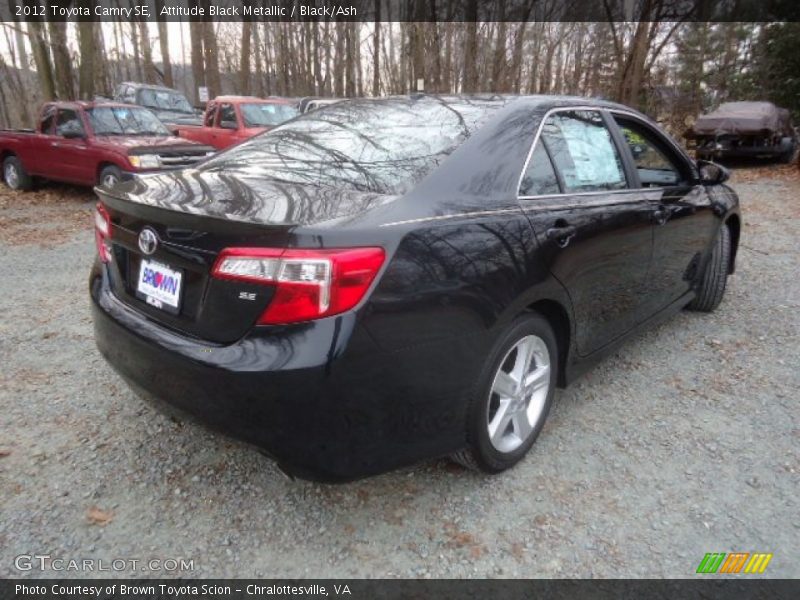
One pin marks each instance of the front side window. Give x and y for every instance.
(227, 116)
(583, 151)
(68, 123)
(654, 166)
(266, 115)
(540, 177)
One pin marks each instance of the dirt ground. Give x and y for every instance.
(684, 442)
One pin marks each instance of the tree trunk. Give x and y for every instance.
(41, 58)
(87, 42)
(376, 52)
(23, 76)
(163, 40)
(211, 57)
(471, 48)
(150, 74)
(339, 67)
(198, 65)
(61, 60)
(500, 60)
(137, 57)
(244, 62)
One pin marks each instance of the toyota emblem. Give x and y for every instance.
(148, 241)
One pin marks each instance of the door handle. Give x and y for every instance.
(661, 215)
(562, 234)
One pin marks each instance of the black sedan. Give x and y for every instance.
(389, 280)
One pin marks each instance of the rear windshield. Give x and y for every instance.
(384, 146)
(266, 115)
(164, 100)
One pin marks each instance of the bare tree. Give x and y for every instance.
(163, 39)
(198, 64)
(41, 58)
(62, 61)
(376, 51)
(471, 48)
(244, 63)
(88, 51)
(211, 58)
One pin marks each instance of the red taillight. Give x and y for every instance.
(102, 232)
(309, 283)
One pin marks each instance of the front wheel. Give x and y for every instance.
(110, 176)
(15, 175)
(715, 277)
(513, 396)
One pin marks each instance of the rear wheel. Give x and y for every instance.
(715, 277)
(513, 396)
(110, 176)
(15, 175)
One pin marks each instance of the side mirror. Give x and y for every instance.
(228, 125)
(712, 173)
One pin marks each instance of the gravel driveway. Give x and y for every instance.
(684, 442)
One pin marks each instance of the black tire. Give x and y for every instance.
(712, 284)
(15, 175)
(480, 453)
(109, 173)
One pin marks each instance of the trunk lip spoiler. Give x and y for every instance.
(170, 216)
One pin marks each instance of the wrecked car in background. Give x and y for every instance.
(744, 130)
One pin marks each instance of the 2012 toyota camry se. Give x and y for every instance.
(382, 281)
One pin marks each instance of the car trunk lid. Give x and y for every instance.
(194, 216)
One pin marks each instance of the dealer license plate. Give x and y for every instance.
(159, 286)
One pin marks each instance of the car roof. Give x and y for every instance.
(150, 86)
(232, 98)
(88, 104)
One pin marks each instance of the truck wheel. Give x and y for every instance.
(15, 175)
(712, 285)
(110, 176)
(513, 396)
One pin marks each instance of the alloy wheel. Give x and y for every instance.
(518, 394)
(11, 176)
(110, 180)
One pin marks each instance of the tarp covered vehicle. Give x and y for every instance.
(744, 129)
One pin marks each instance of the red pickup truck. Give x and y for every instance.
(229, 120)
(92, 143)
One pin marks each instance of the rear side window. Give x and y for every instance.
(211, 115)
(583, 151)
(540, 177)
(48, 119)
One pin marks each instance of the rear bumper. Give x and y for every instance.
(320, 398)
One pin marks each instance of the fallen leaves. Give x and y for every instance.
(4, 453)
(98, 516)
(60, 212)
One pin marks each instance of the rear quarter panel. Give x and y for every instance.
(25, 146)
